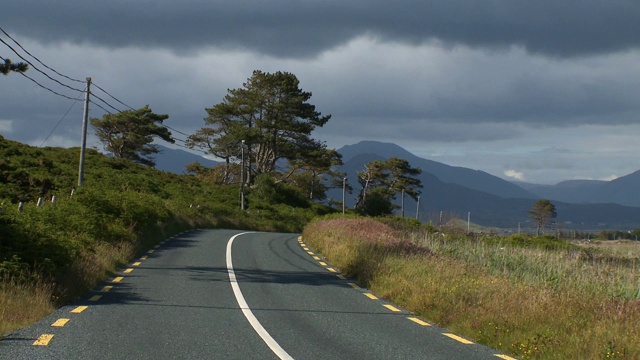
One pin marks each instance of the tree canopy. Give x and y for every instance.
(381, 181)
(9, 66)
(541, 213)
(128, 134)
(273, 117)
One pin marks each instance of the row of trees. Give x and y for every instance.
(266, 125)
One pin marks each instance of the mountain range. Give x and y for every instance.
(489, 200)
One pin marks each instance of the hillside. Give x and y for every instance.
(457, 191)
(472, 179)
(173, 160)
(622, 191)
(120, 205)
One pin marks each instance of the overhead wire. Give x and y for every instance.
(60, 121)
(36, 68)
(42, 86)
(38, 60)
(113, 97)
(78, 90)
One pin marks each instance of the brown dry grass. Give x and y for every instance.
(513, 311)
(24, 302)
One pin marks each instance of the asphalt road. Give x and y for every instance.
(224, 294)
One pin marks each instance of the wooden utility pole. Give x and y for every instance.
(85, 122)
(242, 179)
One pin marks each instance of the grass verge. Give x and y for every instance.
(533, 303)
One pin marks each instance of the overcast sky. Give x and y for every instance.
(540, 91)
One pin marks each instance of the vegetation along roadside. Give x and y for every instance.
(532, 297)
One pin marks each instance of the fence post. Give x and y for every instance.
(53, 199)
(20, 206)
(39, 202)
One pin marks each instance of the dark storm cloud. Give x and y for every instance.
(306, 28)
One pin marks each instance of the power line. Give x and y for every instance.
(109, 105)
(75, 89)
(113, 97)
(60, 121)
(42, 86)
(36, 68)
(98, 105)
(33, 56)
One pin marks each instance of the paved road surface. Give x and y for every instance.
(224, 294)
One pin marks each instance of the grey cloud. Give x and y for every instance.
(307, 28)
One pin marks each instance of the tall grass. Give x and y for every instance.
(529, 301)
(22, 303)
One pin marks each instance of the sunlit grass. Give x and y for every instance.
(577, 303)
(23, 303)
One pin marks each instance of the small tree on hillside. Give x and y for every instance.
(128, 134)
(541, 213)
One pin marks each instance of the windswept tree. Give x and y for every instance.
(541, 213)
(316, 174)
(271, 114)
(9, 66)
(380, 183)
(129, 134)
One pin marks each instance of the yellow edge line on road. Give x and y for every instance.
(354, 285)
(392, 308)
(128, 270)
(505, 357)
(118, 279)
(418, 321)
(332, 269)
(341, 277)
(95, 298)
(137, 263)
(316, 258)
(60, 322)
(144, 258)
(43, 340)
(79, 309)
(107, 288)
(371, 296)
(458, 338)
(323, 263)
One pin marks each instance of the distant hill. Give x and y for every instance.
(622, 191)
(492, 201)
(571, 191)
(175, 160)
(472, 179)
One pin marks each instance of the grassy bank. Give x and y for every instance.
(53, 253)
(532, 298)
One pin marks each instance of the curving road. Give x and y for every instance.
(224, 294)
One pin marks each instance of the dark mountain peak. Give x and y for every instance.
(383, 149)
(355, 156)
